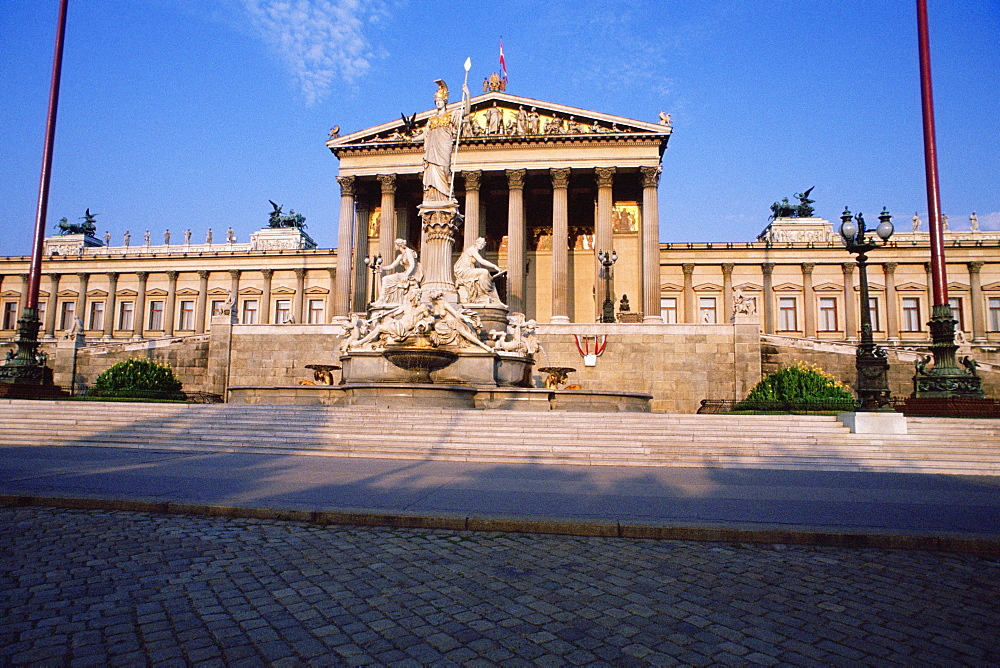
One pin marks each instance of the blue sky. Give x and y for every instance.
(193, 113)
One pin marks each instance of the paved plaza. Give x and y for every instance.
(93, 587)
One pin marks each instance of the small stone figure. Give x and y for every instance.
(743, 305)
(145, 238)
(533, 126)
(665, 120)
(127, 238)
(208, 236)
(475, 285)
(970, 365)
(623, 305)
(554, 126)
(409, 318)
(394, 285)
(334, 132)
(453, 327)
(916, 222)
(107, 238)
(494, 120)
(76, 330)
(521, 121)
(974, 222)
(166, 238)
(230, 236)
(944, 222)
(187, 237)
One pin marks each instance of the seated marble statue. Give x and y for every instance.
(474, 283)
(395, 284)
(452, 326)
(409, 319)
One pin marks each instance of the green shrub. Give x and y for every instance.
(139, 379)
(798, 385)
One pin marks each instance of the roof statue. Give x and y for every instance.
(88, 226)
(493, 83)
(277, 220)
(784, 209)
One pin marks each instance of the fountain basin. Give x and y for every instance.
(419, 361)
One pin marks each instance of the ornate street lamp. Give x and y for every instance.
(607, 261)
(374, 264)
(871, 361)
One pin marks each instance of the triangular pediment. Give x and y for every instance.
(219, 291)
(499, 116)
(187, 292)
(787, 287)
(283, 290)
(68, 293)
(156, 292)
(11, 293)
(749, 287)
(97, 293)
(251, 291)
(708, 287)
(828, 287)
(671, 287)
(317, 290)
(958, 287)
(911, 287)
(126, 293)
(992, 286)
(873, 286)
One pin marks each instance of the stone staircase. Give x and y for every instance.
(933, 445)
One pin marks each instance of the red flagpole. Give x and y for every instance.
(35, 270)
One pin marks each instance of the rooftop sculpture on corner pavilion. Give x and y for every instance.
(785, 209)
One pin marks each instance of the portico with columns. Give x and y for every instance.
(547, 186)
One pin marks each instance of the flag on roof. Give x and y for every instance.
(503, 63)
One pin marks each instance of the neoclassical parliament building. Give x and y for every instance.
(549, 187)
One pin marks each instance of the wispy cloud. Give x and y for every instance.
(319, 40)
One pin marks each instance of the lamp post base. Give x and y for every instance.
(24, 374)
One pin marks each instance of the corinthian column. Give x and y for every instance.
(768, 271)
(515, 240)
(265, 305)
(342, 287)
(109, 315)
(168, 316)
(651, 246)
(50, 307)
(808, 308)
(473, 181)
(976, 298)
(387, 219)
(850, 303)
(689, 310)
(202, 303)
(560, 244)
(891, 314)
(140, 305)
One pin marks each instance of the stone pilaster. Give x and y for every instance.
(650, 243)
(139, 316)
(387, 221)
(168, 311)
(977, 312)
(202, 303)
(891, 307)
(24, 293)
(81, 299)
(689, 305)
(850, 303)
(472, 229)
(767, 269)
(234, 291)
(727, 292)
(331, 295)
(109, 316)
(51, 306)
(808, 299)
(515, 240)
(300, 289)
(265, 306)
(560, 244)
(342, 284)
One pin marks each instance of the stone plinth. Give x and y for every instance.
(408, 395)
(874, 422)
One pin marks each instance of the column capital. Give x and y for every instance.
(605, 176)
(927, 267)
(889, 267)
(975, 267)
(807, 268)
(515, 178)
(650, 176)
(300, 273)
(473, 179)
(203, 273)
(267, 273)
(234, 274)
(848, 268)
(767, 268)
(346, 186)
(142, 276)
(172, 275)
(727, 268)
(83, 275)
(112, 275)
(388, 182)
(333, 272)
(560, 177)
(688, 268)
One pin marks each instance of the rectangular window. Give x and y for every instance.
(96, 315)
(828, 314)
(186, 320)
(668, 309)
(41, 312)
(706, 310)
(873, 314)
(10, 315)
(218, 306)
(316, 311)
(995, 314)
(155, 315)
(282, 311)
(787, 316)
(911, 314)
(956, 312)
(68, 315)
(249, 312)
(126, 323)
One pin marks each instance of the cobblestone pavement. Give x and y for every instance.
(98, 588)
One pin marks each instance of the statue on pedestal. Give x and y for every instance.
(439, 142)
(475, 285)
(395, 285)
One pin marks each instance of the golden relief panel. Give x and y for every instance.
(373, 222)
(625, 217)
